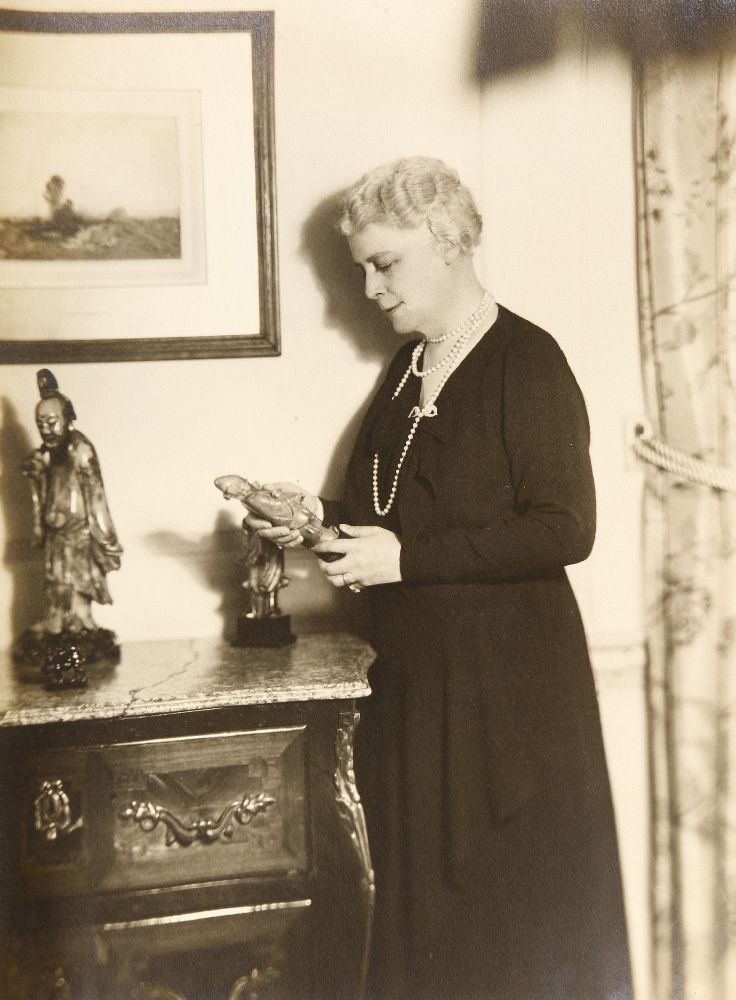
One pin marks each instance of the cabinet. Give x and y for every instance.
(187, 827)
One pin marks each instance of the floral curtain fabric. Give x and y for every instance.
(686, 174)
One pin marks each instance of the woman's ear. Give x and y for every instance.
(450, 252)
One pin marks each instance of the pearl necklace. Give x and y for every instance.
(447, 359)
(465, 331)
(462, 332)
(485, 303)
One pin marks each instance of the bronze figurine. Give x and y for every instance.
(265, 562)
(72, 524)
(264, 624)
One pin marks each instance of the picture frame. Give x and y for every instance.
(138, 196)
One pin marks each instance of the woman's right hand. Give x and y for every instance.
(284, 537)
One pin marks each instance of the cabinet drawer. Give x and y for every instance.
(164, 812)
(246, 952)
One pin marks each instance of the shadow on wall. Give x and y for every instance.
(217, 562)
(23, 563)
(514, 36)
(341, 283)
(346, 310)
(214, 562)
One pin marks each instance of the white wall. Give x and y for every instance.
(549, 154)
(558, 205)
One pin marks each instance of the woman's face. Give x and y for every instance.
(406, 274)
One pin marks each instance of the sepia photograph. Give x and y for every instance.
(368, 500)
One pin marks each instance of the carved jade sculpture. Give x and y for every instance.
(72, 523)
(263, 624)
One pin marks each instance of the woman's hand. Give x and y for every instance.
(371, 555)
(285, 538)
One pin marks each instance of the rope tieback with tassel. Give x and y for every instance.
(650, 449)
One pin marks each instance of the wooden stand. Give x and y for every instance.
(266, 632)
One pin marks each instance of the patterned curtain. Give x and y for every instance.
(686, 172)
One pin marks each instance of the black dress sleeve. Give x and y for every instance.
(334, 512)
(551, 522)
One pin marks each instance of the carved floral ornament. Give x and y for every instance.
(148, 816)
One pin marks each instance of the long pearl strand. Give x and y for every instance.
(464, 332)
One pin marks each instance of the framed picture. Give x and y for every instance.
(137, 186)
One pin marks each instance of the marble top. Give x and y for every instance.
(187, 675)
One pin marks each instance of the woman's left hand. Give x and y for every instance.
(371, 555)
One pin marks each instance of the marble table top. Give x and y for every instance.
(182, 675)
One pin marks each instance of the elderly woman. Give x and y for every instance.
(479, 757)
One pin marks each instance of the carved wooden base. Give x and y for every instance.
(62, 658)
(273, 631)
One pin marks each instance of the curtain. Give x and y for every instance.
(686, 184)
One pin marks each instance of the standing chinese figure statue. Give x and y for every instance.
(264, 625)
(265, 562)
(72, 524)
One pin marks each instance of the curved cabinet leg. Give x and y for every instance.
(350, 810)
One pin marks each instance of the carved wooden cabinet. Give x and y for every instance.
(187, 827)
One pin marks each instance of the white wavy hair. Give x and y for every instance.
(412, 192)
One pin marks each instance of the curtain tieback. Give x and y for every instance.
(650, 449)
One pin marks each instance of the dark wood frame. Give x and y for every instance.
(260, 25)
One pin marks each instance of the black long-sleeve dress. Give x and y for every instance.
(479, 755)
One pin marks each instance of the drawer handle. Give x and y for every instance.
(148, 816)
(52, 810)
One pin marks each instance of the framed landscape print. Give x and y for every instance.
(137, 186)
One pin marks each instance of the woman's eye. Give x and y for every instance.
(385, 267)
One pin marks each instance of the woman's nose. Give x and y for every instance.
(374, 285)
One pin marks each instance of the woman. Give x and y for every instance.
(479, 756)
